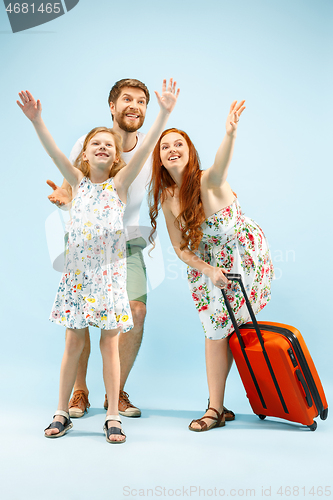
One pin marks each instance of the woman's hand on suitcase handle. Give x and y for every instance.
(216, 274)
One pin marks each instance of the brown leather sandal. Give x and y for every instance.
(229, 415)
(219, 421)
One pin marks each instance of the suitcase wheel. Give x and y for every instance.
(262, 417)
(313, 426)
(324, 414)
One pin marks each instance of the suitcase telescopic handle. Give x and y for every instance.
(238, 278)
(242, 346)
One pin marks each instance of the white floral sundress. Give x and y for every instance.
(236, 243)
(92, 290)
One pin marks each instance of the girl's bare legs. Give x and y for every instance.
(218, 364)
(111, 375)
(73, 349)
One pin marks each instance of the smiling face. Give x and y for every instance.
(101, 151)
(129, 110)
(174, 151)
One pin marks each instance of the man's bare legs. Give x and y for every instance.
(69, 365)
(218, 364)
(80, 381)
(130, 342)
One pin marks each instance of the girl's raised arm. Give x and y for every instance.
(167, 101)
(33, 111)
(216, 175)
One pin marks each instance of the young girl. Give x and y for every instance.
(92, 290)
(210, 233)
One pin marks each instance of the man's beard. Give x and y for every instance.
(127, 126)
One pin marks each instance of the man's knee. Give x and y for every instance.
(139, 313)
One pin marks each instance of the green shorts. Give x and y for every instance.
(136, 284)
(136, 270)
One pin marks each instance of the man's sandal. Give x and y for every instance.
(113, 430)
(63, 428)
(218, 421)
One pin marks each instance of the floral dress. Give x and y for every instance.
(92, 290)
(236, 243)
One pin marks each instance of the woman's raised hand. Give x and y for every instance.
(233, 117)
(30, 107)
(167, 100)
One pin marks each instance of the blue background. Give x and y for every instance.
(277, 56)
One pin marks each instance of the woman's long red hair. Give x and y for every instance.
(191, 210)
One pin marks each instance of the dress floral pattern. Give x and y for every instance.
(236, 243)
(92, 290)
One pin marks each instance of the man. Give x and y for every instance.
(128, 100)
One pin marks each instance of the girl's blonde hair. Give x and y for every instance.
(84, 166)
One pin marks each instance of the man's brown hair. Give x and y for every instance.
(127, 82)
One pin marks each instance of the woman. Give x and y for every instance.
(212, 236)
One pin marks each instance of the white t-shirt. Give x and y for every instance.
(136, 191)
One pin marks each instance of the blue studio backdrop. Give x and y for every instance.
(277, 56)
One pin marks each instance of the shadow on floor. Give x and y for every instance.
(242, 421)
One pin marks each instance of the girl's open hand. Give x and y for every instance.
(233, 117)
(30, 107)
(167, 100)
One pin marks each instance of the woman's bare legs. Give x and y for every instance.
(73, 349)
(218, 364)
(111, 375)
(230, 357)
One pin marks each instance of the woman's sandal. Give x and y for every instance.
(63, 428)
(229, 415)
(219, 421)
(113, 430)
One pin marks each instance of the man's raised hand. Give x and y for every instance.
(30, 107)
(59, 196)
(168, 98)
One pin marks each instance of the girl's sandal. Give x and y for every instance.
(63, 428)
(113, 430)
(218, 421)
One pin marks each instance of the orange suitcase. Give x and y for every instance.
(276, 369)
